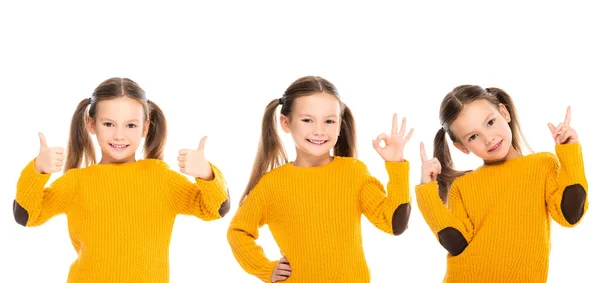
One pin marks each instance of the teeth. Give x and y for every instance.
(316, 142)
(118, 146)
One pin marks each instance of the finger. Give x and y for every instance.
(182, 158)
(58, 163)
(181, 165)
(409, 134)
(394, 124)
(376, 146)
(285, 267)
(382, 137)
(183, 151)
(280, 278)
(202, 143)
(42, 141)
(568, 116)
(559, 129)
(284, 260)
(403, 127)
(58, 150)
(423, 154)
(552, 129)
(566, 135)
(286, 273)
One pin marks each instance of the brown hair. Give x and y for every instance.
(80, 147)
(271, 153)
(450, 108)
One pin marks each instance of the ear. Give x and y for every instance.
(285, 123)
(90, 124)
(504, 112)
(146, 127)
(462, 148)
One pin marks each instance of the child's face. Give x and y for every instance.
(119, 127)
(483, 129)
(314, 124)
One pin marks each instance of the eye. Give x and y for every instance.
(330, 121)
(491, 122)
(473, 137)
(107, 124)
(131, 126)
(306, 120)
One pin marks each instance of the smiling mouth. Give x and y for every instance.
(317, 142)
(118, 146)
(497, 146)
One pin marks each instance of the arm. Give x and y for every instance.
(452, 226)
(388, 213)
(242, 235)
(207, 200)
(566, 186)
(34, 204)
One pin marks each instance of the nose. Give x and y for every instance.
(318, 129)
(118, 133)
(489, 139)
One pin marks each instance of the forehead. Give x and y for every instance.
(321, 103)
(472, 117)
(122, 107)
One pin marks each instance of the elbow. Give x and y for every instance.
(225, 207)
(573, 203)
(21, 215)
(452, 240)
(400, 219)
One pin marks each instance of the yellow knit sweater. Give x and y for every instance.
(120, 216)
(314, 215)
(503, 212)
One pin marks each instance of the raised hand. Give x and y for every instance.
(430, 168)
(563, 133)
(394, 143)
(193, 162)
(282, 270)
(50, 159)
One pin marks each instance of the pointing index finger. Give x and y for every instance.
(423, 154)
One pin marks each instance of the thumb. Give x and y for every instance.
(202, 143)
(42, 141)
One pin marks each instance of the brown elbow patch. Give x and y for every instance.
(21, 215)
(400, 218)
(225, 206)
(452, 240)
(573, 202)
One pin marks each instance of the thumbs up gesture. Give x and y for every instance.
(430, 168)
(193, 163)
(50, 159)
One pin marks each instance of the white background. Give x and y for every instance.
(214, 67)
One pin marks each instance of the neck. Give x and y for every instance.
(312, 161)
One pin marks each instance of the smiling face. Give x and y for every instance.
(483, 129)
(119, 126)
(314, 124)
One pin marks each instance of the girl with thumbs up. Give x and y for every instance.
(120, 210)
(494, 221)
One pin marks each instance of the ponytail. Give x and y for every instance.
(80, 146)
(441, 151)
(270, 153)
(156, 138)
(346, 143)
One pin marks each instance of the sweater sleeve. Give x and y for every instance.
(243, 233)
(451, 225)
(34, 204)
(388, 213)
(207, 200)
(566, 186)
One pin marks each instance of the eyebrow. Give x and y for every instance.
(311, 116)
(109, 120)
(484, 121)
